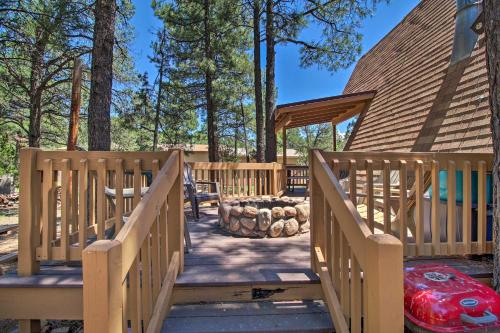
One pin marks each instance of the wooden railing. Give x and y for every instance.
(128, 281)
(63, 205)
(241, 179)
(361, 272)
(391, 191)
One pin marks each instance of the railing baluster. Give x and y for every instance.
(137, 182)
(369, 195)
(65, 208)
(451, 205)
(328, 235)
(119, 195)
(353, 182)
(101, 201)
(403, 205)
(467, 207)
(74, 199)
(419, 207)
(133, 299)
(386, 193)
(481, 207)
(345, 254)
(356, 299)
(48, 218)
(83, 175)
(435, 227)
(146, 296)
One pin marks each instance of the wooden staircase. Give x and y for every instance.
(232, 284)
(256, 316)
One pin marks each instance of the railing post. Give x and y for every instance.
(29, 222)
(102, 287)
(29, 212)
(274, 179)
(384, 284)
(175, 215)
(316, 217)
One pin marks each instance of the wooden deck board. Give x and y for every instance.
(220, 258)
(294, 316)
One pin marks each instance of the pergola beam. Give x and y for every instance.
(323, 110)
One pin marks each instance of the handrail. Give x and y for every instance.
(142, 217)
(131, 277)
(361, 273)
(356, 229)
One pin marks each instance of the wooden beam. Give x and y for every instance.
(54, 302)
(282, 123)
(349, 114)
(338, 100)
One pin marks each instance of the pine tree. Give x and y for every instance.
(209, 44)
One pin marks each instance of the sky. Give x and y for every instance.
(293, 82)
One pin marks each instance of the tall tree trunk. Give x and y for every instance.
(270, 83)
(491, 11)
(99, 121)
(245, 134)
(160, 90)
(259, 110)
(213, 142)
(76, 97)
(35, 89)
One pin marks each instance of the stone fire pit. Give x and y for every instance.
(265, 216)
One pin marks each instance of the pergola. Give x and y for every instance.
(335, 109)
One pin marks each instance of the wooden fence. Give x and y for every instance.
(391, 191)
(361, 272)
(242, 179)
(130, 279)
(63, 204)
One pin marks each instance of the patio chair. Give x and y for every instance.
(197, 192)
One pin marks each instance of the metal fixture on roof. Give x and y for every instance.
(465, 38)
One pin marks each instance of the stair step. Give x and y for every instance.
(249, 317)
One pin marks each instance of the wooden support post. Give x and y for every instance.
(102, 287)
(284, 146)
(29, 212)
(384, 271)
(29, 223)
(334, 128)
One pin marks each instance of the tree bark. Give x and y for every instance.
(213, 142)
(491, 11)
(259, 110)
(76, 97)
(99, 121)
(245, 135)
(35, 89)
(270, 83)
(160, 91)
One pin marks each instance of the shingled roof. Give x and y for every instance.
(422, 104)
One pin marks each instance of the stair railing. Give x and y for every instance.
(129, 279)
(361, 272)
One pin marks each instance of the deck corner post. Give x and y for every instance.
(29, 212)
(102, 287)
(384, 272)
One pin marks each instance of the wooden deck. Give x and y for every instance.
(219, 258)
